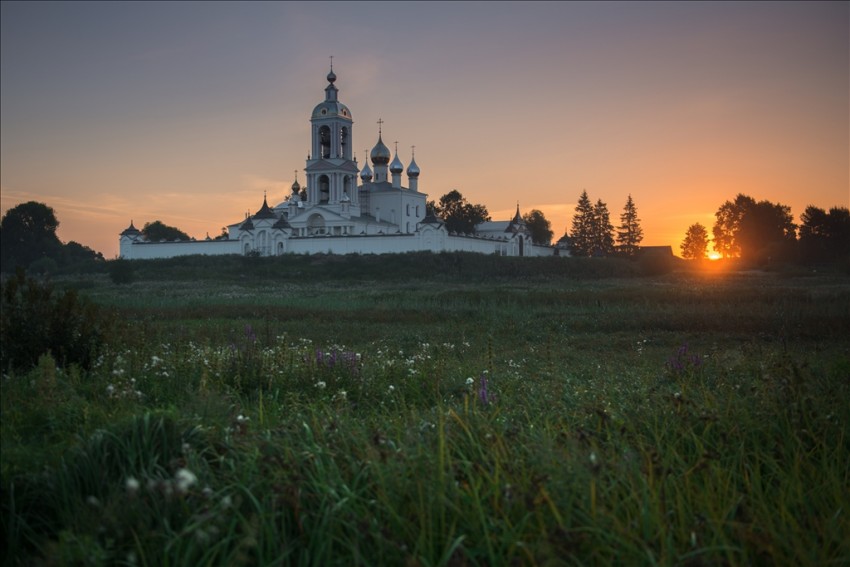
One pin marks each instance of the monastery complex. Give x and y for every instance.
(343, 209)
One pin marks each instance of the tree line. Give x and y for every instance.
(762, 232)
(758, 232)
(28, 240)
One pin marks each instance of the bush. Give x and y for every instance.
(34, 321)
(121, 271)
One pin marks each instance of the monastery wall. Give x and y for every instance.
(151, 250)
(433, 240)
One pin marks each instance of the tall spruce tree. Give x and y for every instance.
(603, 230)
(629, 233)
(581, 235)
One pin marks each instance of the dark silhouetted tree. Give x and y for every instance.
(629, 233)
(824, 236)
(755, 231)
(727, 223)
(459, 215)
(27, 234)
(157, 230)
(76, 253)
(581, 234)
(603, 230)
(539, 226)
(695, 244)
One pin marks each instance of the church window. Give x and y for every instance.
(324, 142)
(316, 225)
(324, 189)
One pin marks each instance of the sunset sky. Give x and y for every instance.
(188, 112)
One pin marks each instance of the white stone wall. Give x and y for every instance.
(151, 250)
(428, 238)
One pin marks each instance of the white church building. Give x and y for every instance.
(343, 209)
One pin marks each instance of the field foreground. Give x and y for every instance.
(337, 417)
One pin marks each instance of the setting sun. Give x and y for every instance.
(714, 255)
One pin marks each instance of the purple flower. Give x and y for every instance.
(483, 394)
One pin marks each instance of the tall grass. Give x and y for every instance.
(671, 421)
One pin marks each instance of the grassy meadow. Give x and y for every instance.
(425, 410)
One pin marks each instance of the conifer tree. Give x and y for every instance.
(629, 233)
(582, 227)
(603, 238)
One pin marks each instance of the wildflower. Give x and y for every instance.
(241, 418)
(110, 390)
(184, 479)
(470, 381)
(321, 384)
(132, 485)
(391, 389)
(483, 394)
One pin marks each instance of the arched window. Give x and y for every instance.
(316, 224)
(324, 142)
(324, 189)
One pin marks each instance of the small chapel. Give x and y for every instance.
(343, 209)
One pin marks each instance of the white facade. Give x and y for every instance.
(345, 210)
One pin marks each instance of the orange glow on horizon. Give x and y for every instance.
(681, 106)
(713, 256)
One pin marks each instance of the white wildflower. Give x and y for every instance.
(132, 485)
(184, 479)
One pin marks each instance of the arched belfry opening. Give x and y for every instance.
(324, 142)
(324, 189)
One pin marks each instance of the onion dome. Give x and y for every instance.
(366, 173)
(380, 153)
(413, 169)
(296, 187)
(396, 166)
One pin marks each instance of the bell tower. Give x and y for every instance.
(331, 170)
